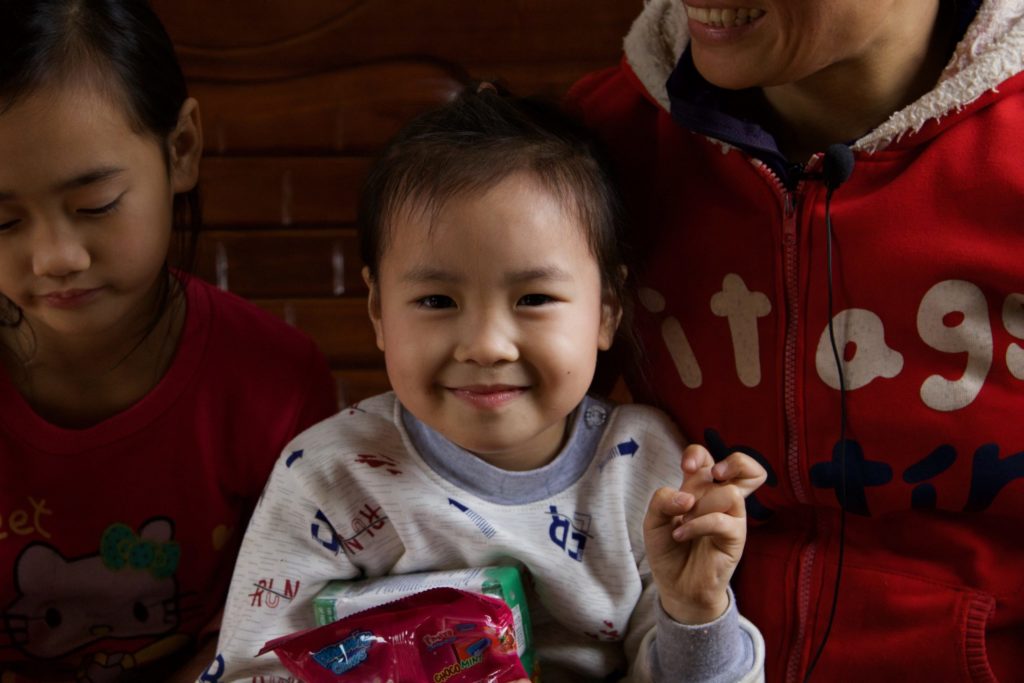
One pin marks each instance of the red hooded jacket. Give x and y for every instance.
(928, 314)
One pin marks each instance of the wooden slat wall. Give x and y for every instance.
(297, 96)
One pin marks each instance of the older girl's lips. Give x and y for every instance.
(71, 298)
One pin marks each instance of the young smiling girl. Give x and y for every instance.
(489, 234)
(141, 409)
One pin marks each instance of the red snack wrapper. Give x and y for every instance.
(443, 635)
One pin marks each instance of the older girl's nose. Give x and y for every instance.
(58, 250)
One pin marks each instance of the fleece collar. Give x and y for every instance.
(990, 52)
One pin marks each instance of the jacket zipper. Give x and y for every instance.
(807, 554)
(790, 256)
(790, 268)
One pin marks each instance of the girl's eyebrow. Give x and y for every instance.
(432, 274)
(429, 274)
(88, 178)
(542, 273)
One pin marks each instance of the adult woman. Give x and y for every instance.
(719, 118)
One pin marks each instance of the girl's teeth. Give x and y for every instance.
(722, 18)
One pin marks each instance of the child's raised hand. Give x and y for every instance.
(694, 536)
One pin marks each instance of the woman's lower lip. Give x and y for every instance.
(488, 399)
(73, 299)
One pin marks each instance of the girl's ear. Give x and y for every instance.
(373, 306)
(185, 146)
(611, 316)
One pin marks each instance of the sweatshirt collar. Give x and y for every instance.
(470, 473)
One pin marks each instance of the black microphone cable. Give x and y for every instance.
(836, 168)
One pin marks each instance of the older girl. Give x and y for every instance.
(141, 409)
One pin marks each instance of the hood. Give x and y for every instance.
(991, 51)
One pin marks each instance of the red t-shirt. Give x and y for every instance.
(119, 540)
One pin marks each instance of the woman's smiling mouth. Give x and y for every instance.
(723, 18)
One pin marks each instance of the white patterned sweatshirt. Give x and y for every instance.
(372, 491)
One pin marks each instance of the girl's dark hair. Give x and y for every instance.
(472, 144)
(124, 47)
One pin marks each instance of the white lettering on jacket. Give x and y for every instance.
(952, 317)
(1013, 320)
(742, 308)
(678, 345)
(861, 332)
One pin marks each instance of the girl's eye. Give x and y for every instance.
(534, 300)
(101, 210)
(8, 225)
(436, 301)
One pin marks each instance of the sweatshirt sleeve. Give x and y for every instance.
(725, 650)
(289, 553)
(660, 650)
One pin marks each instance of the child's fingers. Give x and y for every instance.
(696, 457)
(726, 529)
(666, 505)
(697, 483)
(740, 470)
(721, 498)
(697, 463)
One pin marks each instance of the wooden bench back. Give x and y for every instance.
(297, 96)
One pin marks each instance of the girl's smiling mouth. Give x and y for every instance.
(488, 396)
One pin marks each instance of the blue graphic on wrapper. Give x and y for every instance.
(477, 648)
(346, 655)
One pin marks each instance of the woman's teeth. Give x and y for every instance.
(722, 18)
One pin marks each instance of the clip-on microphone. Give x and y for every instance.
(837, 166)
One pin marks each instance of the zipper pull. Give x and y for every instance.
(788, 219)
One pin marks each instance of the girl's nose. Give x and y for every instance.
(58, 251)
(486, 340)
